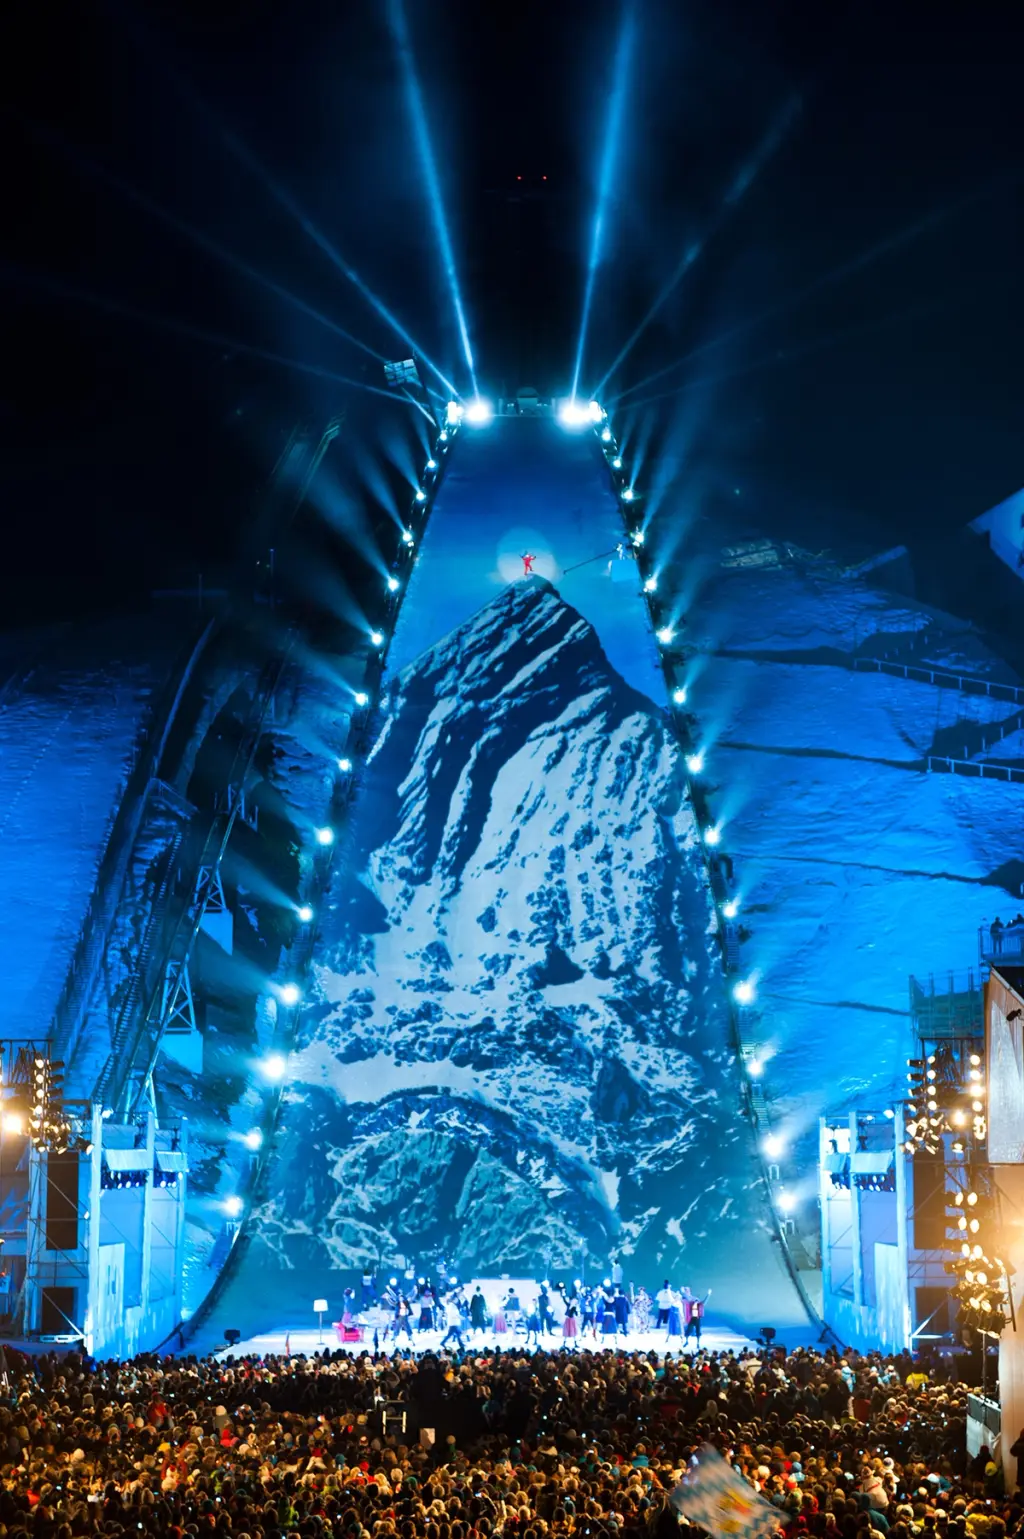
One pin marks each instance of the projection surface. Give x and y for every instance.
(516, 1056)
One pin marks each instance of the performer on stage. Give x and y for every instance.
(675, 1316)
(528, 561)
(478, 1311)
(694, 1312)
(453, 1320)
(569, 1323)
(663, 1298)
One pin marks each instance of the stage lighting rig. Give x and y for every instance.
(48, 1124)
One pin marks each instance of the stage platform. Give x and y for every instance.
(302, 1341)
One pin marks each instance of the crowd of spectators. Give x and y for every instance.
(526, 1444)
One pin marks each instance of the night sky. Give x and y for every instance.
(855, 312)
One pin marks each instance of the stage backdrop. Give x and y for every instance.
(517, 1054)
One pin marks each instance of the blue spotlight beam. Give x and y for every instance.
(239, 150)
(743, 180)
(891, 243)
(421, 131)
(609, 158)
(197, 237)
(61, 290)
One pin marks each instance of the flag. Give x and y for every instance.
(715, 1497)
(288, 1345)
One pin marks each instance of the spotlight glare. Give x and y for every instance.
(13, 1122)
(392, 584)
(233, 1206)
(679, 695)
(651, 585)
(305, 913)
(617, 462)
(786, 1202)
(694, 763)
(731, 909)
(665, 635)
(889, 1113)
(713, 835)
(345, 765)
(637, 537)
(454, 415)
(606, 435)
(274, 1067)
(431, 464)
(253, 1139)
(407, 538)
(595, 411)
(743, 993)
(478, 412)
(628, 494)
(376, 638)
(361, 697)
(572, 414)
(773, 1146)
(325, 837)
(442, 437)
(421, 495)
(290, 993)
(755, 1068)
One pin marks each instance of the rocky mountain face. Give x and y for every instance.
(518, 1055)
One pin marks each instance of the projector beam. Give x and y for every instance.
(242, 153)
(609, 157)
(198, 238)
(744, 178)
(76, 295)
(421, 132)
(883, 248)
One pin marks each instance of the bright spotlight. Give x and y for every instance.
(889, 1113)
(679, 696)
(637, 537)
(345, 765)
(13, 1122)
(392, 584)
(665, 635)
(253, 1139)
(233, 1206)
(731, 909)
(595, 411)
(290, 993)
(442, 437)
(305, 913)
(695, 763)
(755, 1068)
(376, 638)
(617, 462)
(786, 1202)
(431, 464)
(361, 697)
(454, 414)
(773, 1146)
(407, 538)
(325, 836)
(628, 494)
(421, 495)
(274, 1067)
(651, 585)
(606, 435)
(713, 835)
(743, 993)
(573, 414)
(478, 412)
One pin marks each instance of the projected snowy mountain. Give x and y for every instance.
(519, 1058)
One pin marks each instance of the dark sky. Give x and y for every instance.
(855, 312)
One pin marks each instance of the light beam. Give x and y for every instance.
(744, 178)
(421, 131)
(609, 158)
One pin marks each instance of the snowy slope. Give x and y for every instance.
(855, 867)
(71, 707)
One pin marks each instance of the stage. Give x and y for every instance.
(301, 1340)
